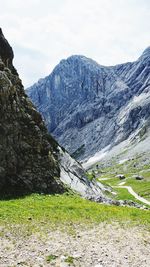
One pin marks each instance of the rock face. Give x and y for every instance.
(30, 159)
(88, 107)
(28, 155)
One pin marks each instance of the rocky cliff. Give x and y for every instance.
(30, 159)
(89, 107)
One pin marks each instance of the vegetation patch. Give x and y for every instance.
(91, 175)
(142, 188)
(51, 257)
(39, 213)
(69, 260)
(108, 171)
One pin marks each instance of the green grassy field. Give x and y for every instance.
(142, 188)
(130, 168)
(41, 212)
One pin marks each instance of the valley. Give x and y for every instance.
(103, 120)
(127, 179)
(90, 208)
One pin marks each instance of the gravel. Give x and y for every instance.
(103, 245)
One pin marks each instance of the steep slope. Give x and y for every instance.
(88, 107)
(30, 159)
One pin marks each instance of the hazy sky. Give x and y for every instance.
(42, 32)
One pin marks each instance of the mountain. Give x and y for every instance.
(30, 159)
(89, 108)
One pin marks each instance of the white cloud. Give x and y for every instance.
(44, 32)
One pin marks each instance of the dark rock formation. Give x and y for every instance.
(88, 107)
(30, 159)
(6, 53)
(28, 155)
(6, 50)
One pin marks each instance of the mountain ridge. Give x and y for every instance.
(90, 100)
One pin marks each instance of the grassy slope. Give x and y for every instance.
(39, 212)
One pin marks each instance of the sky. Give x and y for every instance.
(43, 32)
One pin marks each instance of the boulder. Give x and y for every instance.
(138, 177)
(120, 176)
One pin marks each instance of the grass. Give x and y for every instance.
(90, 176)
(111, 182)
(142, 188)
(37, 213)
(51, 257)
(128, 168)
(69, 260)
(123, 194)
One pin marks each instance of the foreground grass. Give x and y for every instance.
(37, 212)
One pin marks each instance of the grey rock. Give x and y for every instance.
(73, 175)
(120, 176)
(88, 107)
(138, 177)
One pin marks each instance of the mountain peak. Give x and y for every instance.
(90, 99)
(83, 59)
(80, 61)
(146, 53)
(1, 33)
(6, 53)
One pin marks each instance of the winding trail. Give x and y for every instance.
(130, 190)
(133, 193)
(104, 179)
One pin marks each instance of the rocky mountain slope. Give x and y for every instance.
(90, 108)
(30, 159)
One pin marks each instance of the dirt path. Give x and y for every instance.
(130, 190)
(122, 183)
(133, 193)
(104, 179)
(100, 246)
